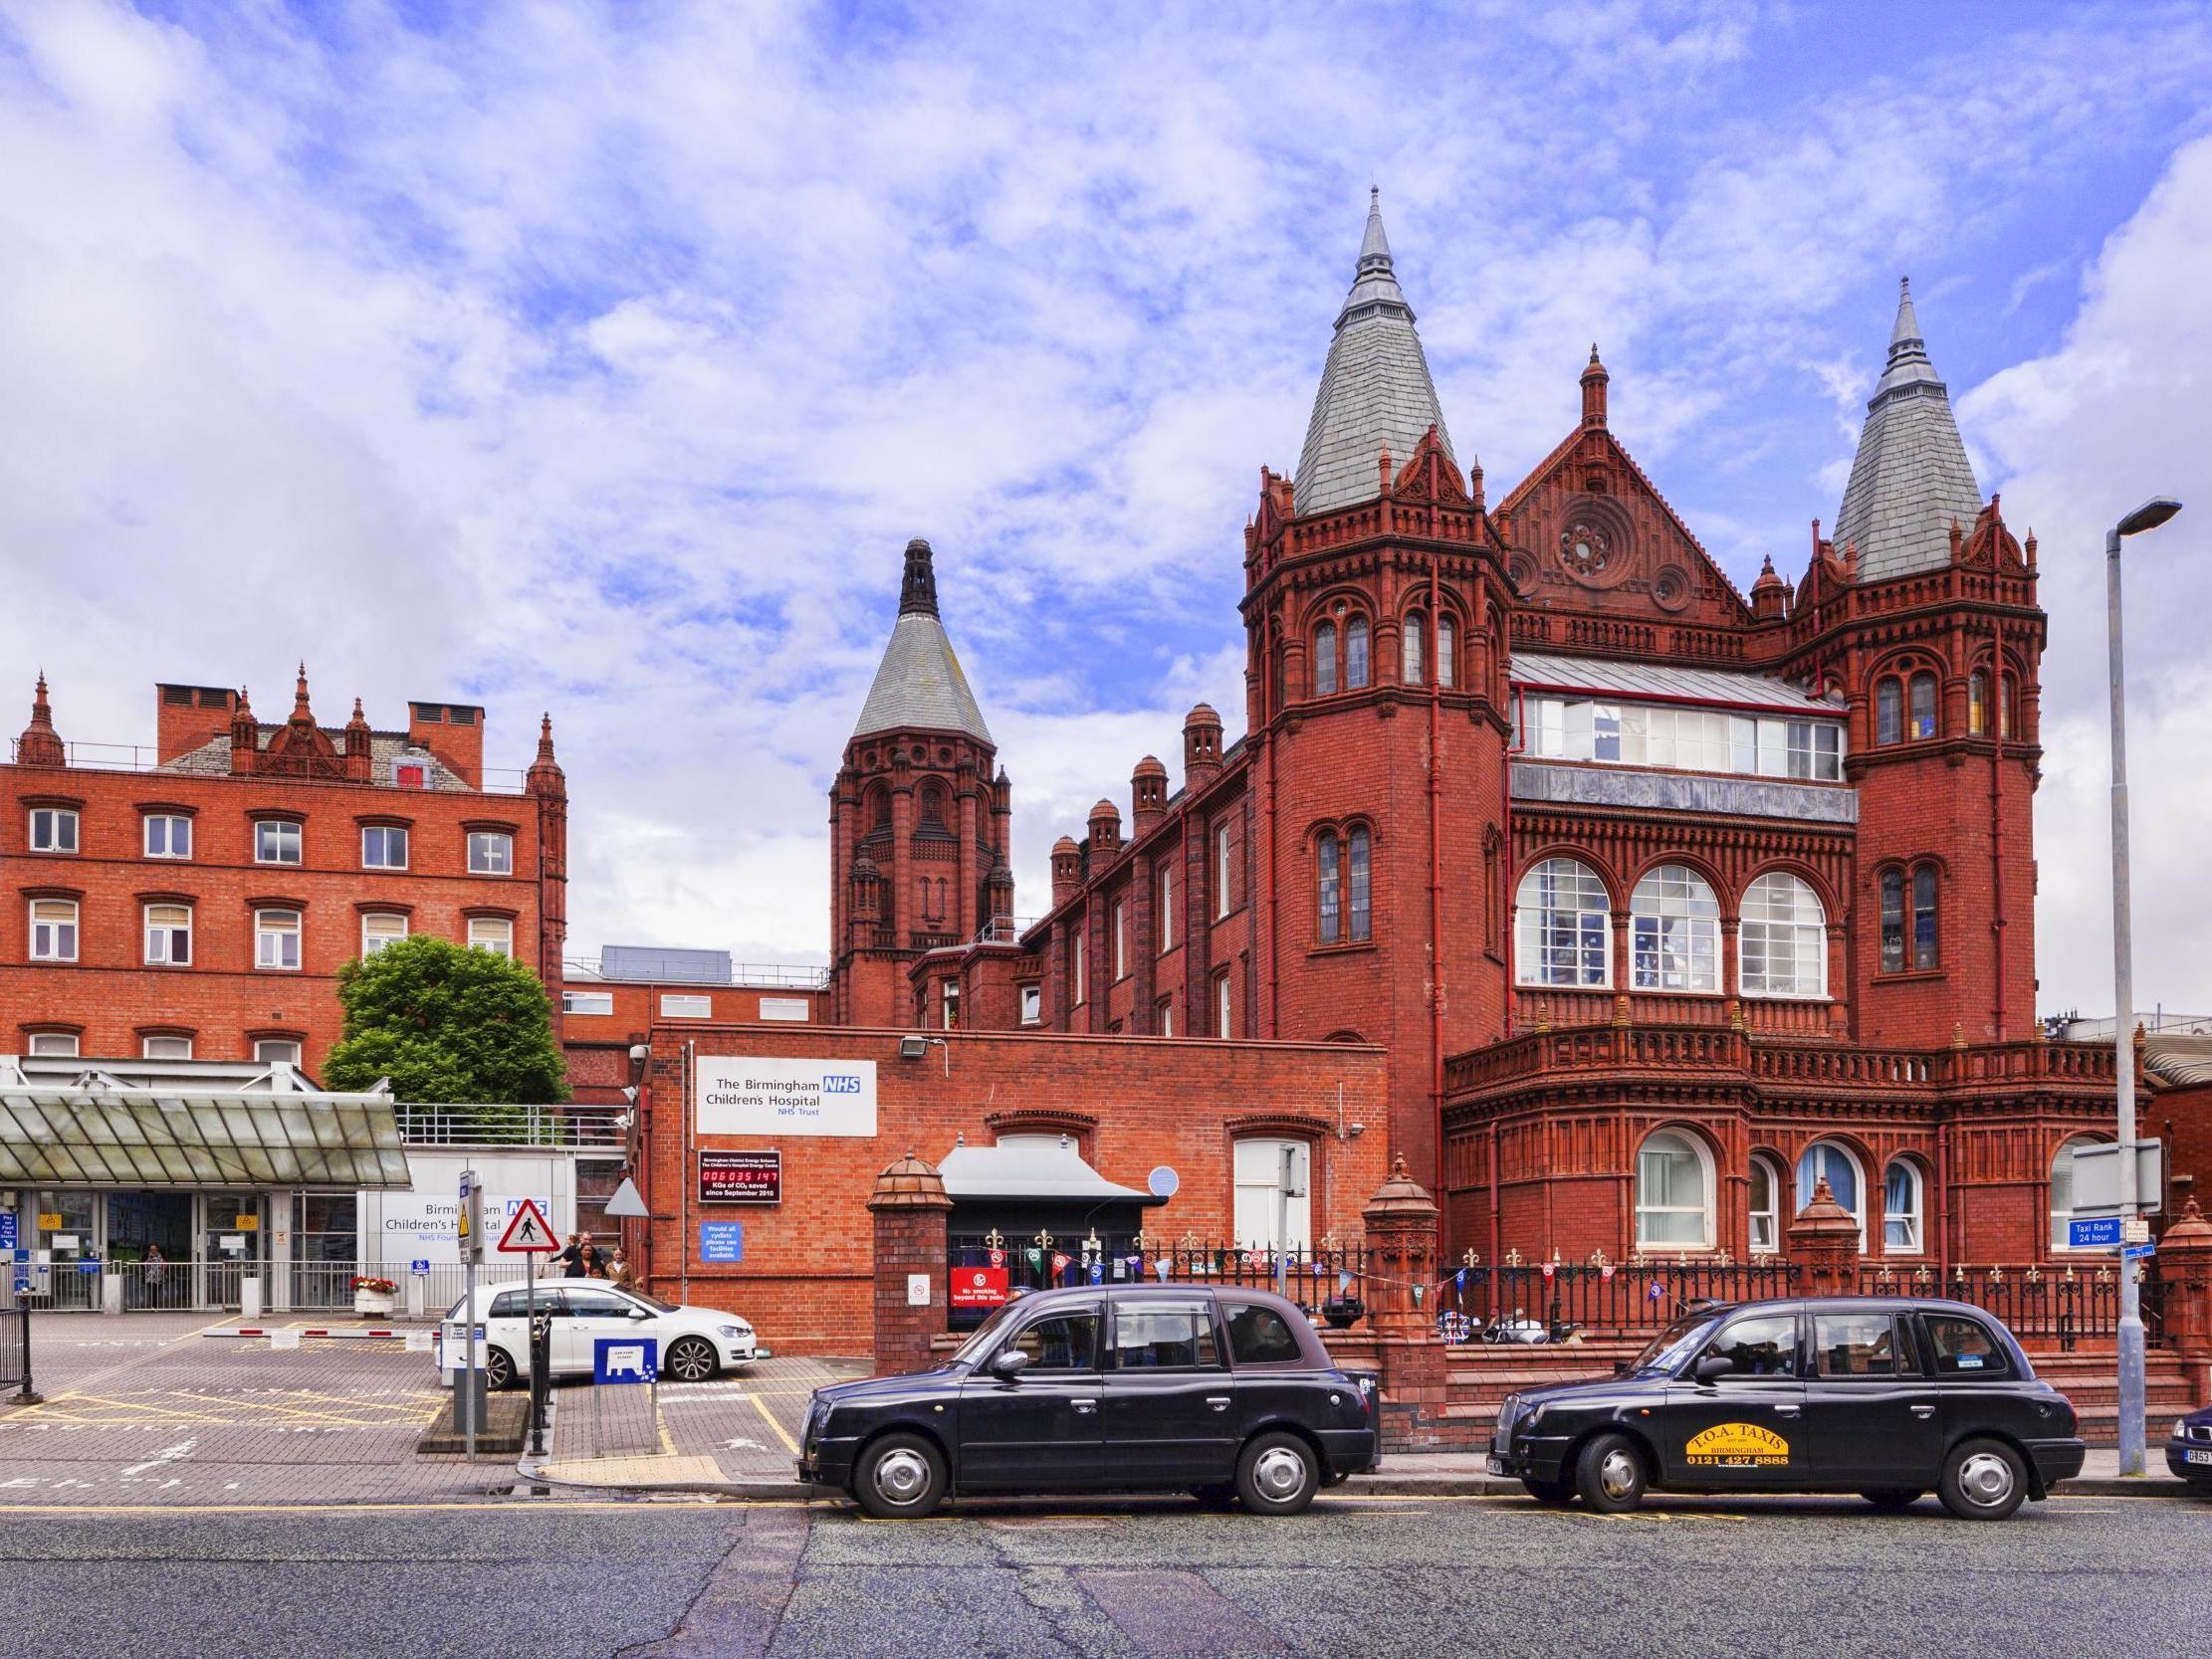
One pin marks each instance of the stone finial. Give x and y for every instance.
(909, 1184)
(544, 776)
(1399, 1198)
(1594, 380)
(918, 588)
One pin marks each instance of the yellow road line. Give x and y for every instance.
(781, 1433)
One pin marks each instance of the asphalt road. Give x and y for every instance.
(571, 1580)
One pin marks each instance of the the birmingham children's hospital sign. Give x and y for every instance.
(738, 1096)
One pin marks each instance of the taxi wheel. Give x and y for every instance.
(1891, 1500)
(499, 1369)
(691, 1360)
(1277, 1475)
(1551, 1494)
(1610, 1474)
(1984, 1480)
(901, 1478)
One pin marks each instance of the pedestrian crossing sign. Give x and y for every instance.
(527, 1232)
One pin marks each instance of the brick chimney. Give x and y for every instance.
(1148, 795)
(1202, 746)
(1105, 831)
(1067, 870)
(187, 717)
(454, 732)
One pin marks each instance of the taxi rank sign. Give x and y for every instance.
(740, 1178)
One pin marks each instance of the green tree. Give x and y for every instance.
(447, 1023)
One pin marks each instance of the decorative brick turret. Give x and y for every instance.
(245, 737)
(1105, 827)
(1403, 1243)
(1202, 746)
(40, 744)
(1594, 380)
(360, 750)
(1148, 795)
(911, 1210)
(1824, 1245)
(1770, 594)
(1067, 869)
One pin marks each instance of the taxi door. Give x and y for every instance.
(1037, 1430)
(1171, 1402)
(1744, 1427)
(1875, 1419)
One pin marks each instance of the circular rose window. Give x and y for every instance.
(1585, 549)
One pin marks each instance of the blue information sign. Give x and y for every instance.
(419, 1268)
(722, 1241)
(88, 1264)
(625, 1359)
(7, 1231)
(2094, 1232)
(2139, 1252)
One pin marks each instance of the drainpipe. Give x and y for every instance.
(1435, 852)
(1996, 723)
(683, 1183)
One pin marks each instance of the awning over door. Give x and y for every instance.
(153, 1138)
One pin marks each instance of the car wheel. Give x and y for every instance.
(1214, 1497)
(1610, 1476)
(1984, 1480)
(499, 1369)
(1551, 1494)
(1277, 1475)
(900, 1478)
(691, 1360)
(1892, 1499)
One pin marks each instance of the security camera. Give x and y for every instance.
(630, 1094)
(640, 1051)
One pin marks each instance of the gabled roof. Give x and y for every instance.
(1375, 392)
(1910, 477)
(919, 683)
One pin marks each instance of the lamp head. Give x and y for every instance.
(2149, 516)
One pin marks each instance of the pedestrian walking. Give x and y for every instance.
(570, 1259)
(618, 1270)
(156, 1270)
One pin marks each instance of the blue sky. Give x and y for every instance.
(602, 359)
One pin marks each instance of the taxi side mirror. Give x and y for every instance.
(1711, 1367)
(1008, 1363)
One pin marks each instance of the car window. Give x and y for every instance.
(1162, 1336)
(1061, 1341)
(1861, 1345)
(1764, 1344)
(506, 1305)
(1965, 1348)
(1261, 1337)
(597, 1305)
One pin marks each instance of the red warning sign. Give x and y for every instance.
(527, 1232)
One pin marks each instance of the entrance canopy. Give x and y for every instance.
(218, 1140)
(1031, 1169)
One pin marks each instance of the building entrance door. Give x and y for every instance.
(149, 1247)
(65, 1235)
(233, 1244)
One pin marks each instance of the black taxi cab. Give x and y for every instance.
(1888, 1397)
(1224, 1391)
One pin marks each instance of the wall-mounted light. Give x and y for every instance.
(918, 1048)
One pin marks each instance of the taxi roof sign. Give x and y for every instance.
(527, 1232)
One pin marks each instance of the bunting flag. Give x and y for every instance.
(1342, 1281)
(1550, 1269)
(1657, 1289)
(1460, 1279)
(997, 1258)
(1059, 1264)
(1036, 1261)
(1606, 1272)
(1160, 1267)
(1137, 1266)
(1098, 1272)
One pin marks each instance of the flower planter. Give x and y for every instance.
(372, 1304)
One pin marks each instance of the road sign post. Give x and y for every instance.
(469, 1230)
(529, 1235)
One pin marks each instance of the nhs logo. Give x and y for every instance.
(834, 1082)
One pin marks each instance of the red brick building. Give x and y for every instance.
(1664, 901)
(196, 900)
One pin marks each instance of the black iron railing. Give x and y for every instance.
(985, 1269)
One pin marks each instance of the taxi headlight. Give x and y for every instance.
(2181, 1428)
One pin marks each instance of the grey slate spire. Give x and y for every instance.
(1910, 477)
(1375, 392)
(919, 684)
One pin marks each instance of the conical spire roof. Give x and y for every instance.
(1374, 394)
(919, 683)
(1910, 477)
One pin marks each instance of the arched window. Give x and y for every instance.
(1825, 1161)
(1564, 931)
(1324, 659)
(1355, 654)
(1784, 939)
(1410, 664)
(933, 807)
(1893, 921)
(1358, 884)
(1900, 1207)
(2062, 1189)
(1977, 703)
(2008, 704)
(1889, 712)
(1673, 1194)
(1921, 696)
(1328, 862)
(1924, 927)
(1674, 932)
(879, 808)
(1445, 641)
(1766, 1205)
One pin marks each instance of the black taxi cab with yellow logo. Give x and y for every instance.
(1890, 1397)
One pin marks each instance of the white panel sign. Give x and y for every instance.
(420, 1226)
(738, 1096)
(783, 1007)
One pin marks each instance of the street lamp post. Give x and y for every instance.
(2149, 516)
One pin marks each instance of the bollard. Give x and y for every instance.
(414, 1297)
(249, 1298)
(111, 1293)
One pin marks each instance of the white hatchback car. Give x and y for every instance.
(695, 1342)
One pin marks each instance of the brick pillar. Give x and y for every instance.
(2185, 1273)
(911, 1210)
(1403, 1243)
(1824, 1246)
